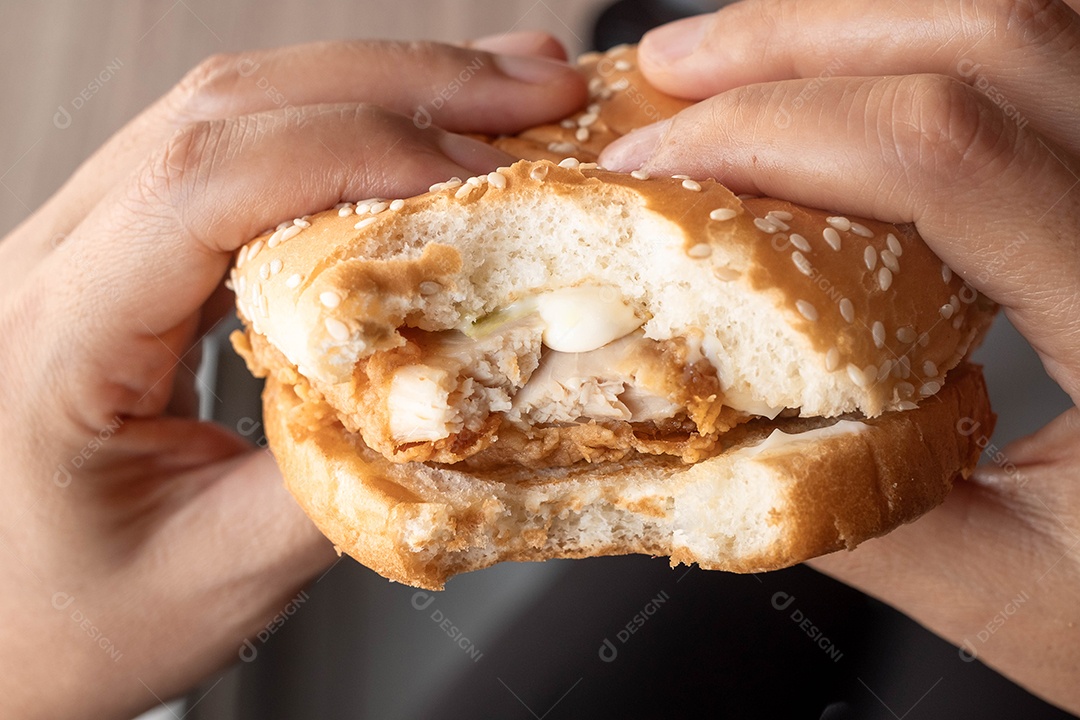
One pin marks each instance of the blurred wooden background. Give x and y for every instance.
(123, 55)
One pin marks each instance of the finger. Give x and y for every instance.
(991, 199)
(1024, 56)
(456, 88)
(990, 544)
(523, 42)
(132, 277)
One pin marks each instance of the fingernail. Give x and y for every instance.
(474, 155)
(630, 152)
(674, 41)
(523, 42)
(534, 70)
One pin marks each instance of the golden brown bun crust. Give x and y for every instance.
(620, 100)
(831, 494)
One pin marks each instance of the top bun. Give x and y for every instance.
(794, 307)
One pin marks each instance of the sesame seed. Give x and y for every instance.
(878, 331)
(345, 211)
(906, 405)
(379, 207)
(861, 230)
(623, 66)
(839, 222)
(275, 266)
(283, 225)
(885, 369)
(589, 166)
(274, 239)
(241, 257)
(832, 359)
(721, 213)
(924, 340)
(954, 301)
(229, 285)
(562, 148)
(581, 134)
(680, 177)
(906, 334)
(692, 185)
(241, 285)
(888, 259)
(364, 223)
(254, 249)
(807, 310)
(782, 215)
(337, 329)
(496, 180)
(929, 368)
(397, 204)
(264, 306)
(857, 375)
(302, 222)
(587, 119)
(463, 191)
(476, 181)
(800, 242)
(957, 322)
(947, 311)
(362, 208)
(884, 278)
(291, 233)
(765, 225)
(568, 124)
(699, 251)
(539, 172)
(429, 287)
(330, 299)
(894, 245)
(802, 263)
(293, 281)
(593, 108)
(905, 368)
(929, 388)
(832, 237)
(870, 258)
(904, 389)
(595, 84)
(946, 272)
(569, 163)
(847, 310)
(264, 271)
(620, 84)
(639, 175)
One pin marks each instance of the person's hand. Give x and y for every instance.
(139, 547)
(963, 118)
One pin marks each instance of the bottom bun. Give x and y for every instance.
(768, 501)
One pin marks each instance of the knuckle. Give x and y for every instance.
(183, 165)
(943, 127)
(207, 89)
(1027, 21)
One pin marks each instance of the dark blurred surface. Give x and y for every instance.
(714, 644)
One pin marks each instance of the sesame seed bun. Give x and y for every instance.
(833, 348)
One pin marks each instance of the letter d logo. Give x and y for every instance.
(421, 599)
(61, 118)
(608, 652)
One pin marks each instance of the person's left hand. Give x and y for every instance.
(139, 546)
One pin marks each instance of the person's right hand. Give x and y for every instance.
(139, 547)
(963, 118)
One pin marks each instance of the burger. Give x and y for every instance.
(557, 361)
